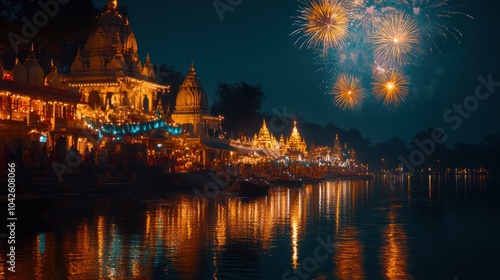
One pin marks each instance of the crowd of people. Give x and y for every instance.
(42, 160)
(166, 161)
(29, 159)
(25, 159)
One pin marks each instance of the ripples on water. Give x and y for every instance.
(430, 227)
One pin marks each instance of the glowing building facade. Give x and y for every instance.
(108, 73)
(264, 138)
(203, 139)
(295, 143)
(33, 107)
(191, 109)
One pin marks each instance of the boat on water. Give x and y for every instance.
(289, 182)
(253, 186)
(312, 179)
(354, 176)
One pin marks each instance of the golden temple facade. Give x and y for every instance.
(108, 73)
(295, 143)
(264, 138)
(191, 109)
(265, 144)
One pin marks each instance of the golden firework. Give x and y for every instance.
(322, 23)
(367, 14)
(391, 87)
(433, 18)
(396, 40)
(348, 92)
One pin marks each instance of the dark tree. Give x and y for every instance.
(240, 104)
(58, 37)
(492, 149)
(469, 155)
(389, 151)
(435, 154)
(167, 75)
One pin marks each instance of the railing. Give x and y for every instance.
(61, 123)
(76, 124)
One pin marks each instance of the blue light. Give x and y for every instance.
(41, 238)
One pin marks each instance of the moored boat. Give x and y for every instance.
(289, 182)
(312, 179)
(355, 176)
(253, 187)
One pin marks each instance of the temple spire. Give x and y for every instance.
(31, 55)
(191, 69)
(52, 66)
(112, 5)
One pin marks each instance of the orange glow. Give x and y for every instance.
(349, 256)
(393, 255)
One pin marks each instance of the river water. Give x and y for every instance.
(429, 227)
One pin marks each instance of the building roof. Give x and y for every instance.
(191, 96)
(219, 146)
(41, 92)
(112, 45)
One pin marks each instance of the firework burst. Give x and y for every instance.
(322, 23)
(348, 92)
(396, 40)
(391, 87)
(431, 17)
(366, 14)
(375, 39)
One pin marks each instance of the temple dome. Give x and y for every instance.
(110, 28)
(19, 72)
(148, 69)
(34, 71)
(96, 62)
(111, 15)
(78, 63)
(118, 63)
(191, 96)
(53, 79)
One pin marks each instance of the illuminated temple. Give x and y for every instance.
(295, 143)
(264, 138)
(108, 73)
(109, 93)
(109, 99)
(203, 139)
(112, 96)
(191, 108)
(265, 145)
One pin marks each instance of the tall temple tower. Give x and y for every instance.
(191, 107)
(30, 71)
(337, 149)
(264, 139)
(108, 73)
(295, 142)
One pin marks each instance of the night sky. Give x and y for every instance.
(252, 44)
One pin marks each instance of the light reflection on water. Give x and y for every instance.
(410, 231)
